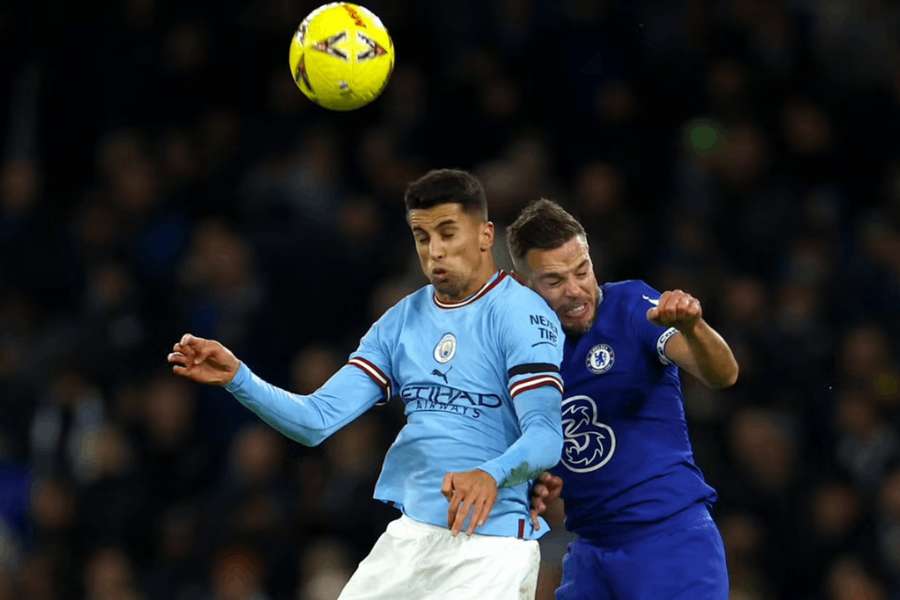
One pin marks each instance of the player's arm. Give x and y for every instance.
(540, 445)
(532, 339)
(307, 419)
(537, 449)
(699, 350)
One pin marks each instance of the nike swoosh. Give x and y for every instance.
(651, 300)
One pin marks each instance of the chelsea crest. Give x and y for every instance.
(600, 359)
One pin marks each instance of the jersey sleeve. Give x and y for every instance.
(363, 382)
(653, 337)
(307, 419)
(532, 340)
(373, 356)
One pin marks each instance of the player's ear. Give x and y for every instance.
(486, 236)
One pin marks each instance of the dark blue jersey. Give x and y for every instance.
(627, 460)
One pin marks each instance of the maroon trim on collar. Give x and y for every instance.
(487, 287)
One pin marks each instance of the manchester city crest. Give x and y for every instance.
(445, 349)
(600, 359)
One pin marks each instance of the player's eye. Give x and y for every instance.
(421, 240)
(581, 275)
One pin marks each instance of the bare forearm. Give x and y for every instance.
(712, 360)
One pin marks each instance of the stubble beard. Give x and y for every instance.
(451, 288)
(582, 327)
(580, 330)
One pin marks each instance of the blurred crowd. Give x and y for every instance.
(161, 174)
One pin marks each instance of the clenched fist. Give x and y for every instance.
(676, 309)
(203, 361)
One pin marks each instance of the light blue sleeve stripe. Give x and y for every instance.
(307, 419)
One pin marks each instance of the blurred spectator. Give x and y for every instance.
(849, 580)
(173, 449)
(252, 503)
(113, 508)
(867, 443)
(177, 571)
(71, 412)
(312, 366)
(40, 578)
(109, 576)
(616, 237)
(237, 574)
(327, 568)
(7, 587)
(889, 522)
(763, 447)
(744, 546)
(223, 291)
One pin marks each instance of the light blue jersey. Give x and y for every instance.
(481, 387)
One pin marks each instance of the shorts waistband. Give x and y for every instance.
(692, 516)
(417, 529)
(425, 528)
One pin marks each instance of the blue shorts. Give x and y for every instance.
(682, 558)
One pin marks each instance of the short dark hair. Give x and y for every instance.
(542, 225)
(442, 186)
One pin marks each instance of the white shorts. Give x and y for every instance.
(418, 561)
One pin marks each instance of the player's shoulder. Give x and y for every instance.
(514, 288)
(422, 295)
(630, 292)
(523, 316)
(516, 296)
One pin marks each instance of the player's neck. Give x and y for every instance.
(478, 281)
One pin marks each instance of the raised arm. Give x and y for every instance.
(699, 350)
(305, 419)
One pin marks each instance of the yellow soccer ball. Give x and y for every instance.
(341, 56)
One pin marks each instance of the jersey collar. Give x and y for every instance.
(599, 302)
(487, 287)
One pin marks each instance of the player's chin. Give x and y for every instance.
(446, 286)
(577, 325)
(575, 329)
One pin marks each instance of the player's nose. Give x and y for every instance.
(571, 289)
(435, 249)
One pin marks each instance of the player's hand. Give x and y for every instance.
(676, 309)
(469, 491)
(203, 361)
(544, 492)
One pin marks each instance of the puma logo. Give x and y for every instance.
(442, 375)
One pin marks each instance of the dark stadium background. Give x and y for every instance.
(161, 174)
